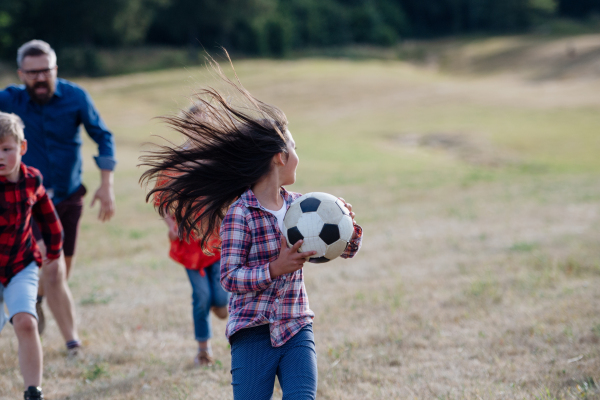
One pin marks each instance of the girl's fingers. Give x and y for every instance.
(307, 254)
(348, 205)
(296, 246)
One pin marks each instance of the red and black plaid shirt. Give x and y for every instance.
(18, 202)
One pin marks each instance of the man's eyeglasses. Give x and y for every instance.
(34, 73)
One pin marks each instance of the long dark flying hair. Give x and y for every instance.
(228, 148)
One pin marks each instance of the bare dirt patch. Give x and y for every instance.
(470, 148)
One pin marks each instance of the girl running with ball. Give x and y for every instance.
(232, 174)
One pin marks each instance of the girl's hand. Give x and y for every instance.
(352, 215)
(173, 234)
(289, 259)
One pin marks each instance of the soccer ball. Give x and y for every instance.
(323, 222)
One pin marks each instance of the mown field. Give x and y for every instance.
(476, 176)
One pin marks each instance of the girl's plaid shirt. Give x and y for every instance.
(251, 240)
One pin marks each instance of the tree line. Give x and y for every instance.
(267, 27)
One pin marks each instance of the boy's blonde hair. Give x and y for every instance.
(11, 125)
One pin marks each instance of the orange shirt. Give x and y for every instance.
(191, 256)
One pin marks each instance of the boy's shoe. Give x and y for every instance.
(220, 312)
(33, 393)
(204, 359)
(41, 319)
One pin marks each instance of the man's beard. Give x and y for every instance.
(40, 99)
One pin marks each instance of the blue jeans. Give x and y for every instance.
(206, 293)
(255, 363)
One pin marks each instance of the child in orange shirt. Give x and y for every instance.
(207, 293)
(204, 274)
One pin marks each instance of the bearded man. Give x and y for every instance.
(53, 110)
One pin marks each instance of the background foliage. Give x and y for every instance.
(261, 27)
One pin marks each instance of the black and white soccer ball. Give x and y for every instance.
(323, 222)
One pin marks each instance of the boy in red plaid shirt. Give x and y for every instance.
(22, 196)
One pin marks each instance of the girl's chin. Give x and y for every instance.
(289, 182)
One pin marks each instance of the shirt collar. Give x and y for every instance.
(249, 199)
(58, 90)
(23, 170)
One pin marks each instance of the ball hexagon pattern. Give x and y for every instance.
(322, 221)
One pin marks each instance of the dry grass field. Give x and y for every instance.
(476, 176)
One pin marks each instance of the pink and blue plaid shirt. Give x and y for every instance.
(251, 240)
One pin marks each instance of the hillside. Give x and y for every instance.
(476, 177)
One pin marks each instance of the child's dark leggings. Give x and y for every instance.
(254, 364)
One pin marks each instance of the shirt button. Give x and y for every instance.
(271, 320)
(276, 300)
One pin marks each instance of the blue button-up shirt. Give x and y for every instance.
(53, 134)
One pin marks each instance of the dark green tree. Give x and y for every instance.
(317, 23)
(209, 22)
(260, 27)
(82, 22)
(578, 8)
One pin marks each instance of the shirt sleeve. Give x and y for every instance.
(236, 275)
(354, 244)
(5, 100)
(45, 215)
(96, 128)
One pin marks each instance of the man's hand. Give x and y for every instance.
(289, 259)
(106, 196)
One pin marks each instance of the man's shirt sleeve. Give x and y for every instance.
(5, 101)
(95, 127)
(45, 215)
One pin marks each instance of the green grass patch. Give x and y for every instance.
(95, 371)
(487, 290)
(524, 247)
(95, 298)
